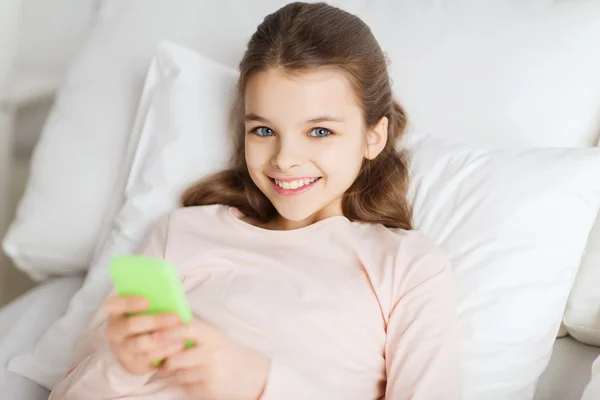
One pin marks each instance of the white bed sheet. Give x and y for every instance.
(23, 322)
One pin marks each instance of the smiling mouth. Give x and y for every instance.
(295, 186)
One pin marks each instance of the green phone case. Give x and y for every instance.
(156, 281)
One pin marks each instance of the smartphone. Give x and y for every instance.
(155, 280)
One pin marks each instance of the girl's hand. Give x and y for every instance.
(217, 367)
(132, 339)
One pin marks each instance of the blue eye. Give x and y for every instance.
(320, 132)
(263, 131)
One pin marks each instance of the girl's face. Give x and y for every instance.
(306, 141)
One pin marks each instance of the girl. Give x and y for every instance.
(299, 286)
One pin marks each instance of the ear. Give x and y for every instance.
(376, 139)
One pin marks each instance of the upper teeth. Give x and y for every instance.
(295, 184)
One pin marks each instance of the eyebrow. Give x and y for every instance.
(323, 118)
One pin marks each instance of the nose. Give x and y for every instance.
(288, 154)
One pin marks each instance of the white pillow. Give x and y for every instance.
(184, 118)
(582, 315)
(492, 73)
(514, 224)
(494, 212)
(23, 321)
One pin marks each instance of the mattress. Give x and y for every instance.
(23, 322)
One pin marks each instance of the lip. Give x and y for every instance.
(292, 192)
(293, 179)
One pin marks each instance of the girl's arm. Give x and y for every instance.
(422, 349)
(95, 374)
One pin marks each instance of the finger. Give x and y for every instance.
(147, 340)
(114, 330)
(163, 373)
(142, 365)
(190, 358)
(133, 362)
(123, 328)
(119, 305)
(139, 343)
(163, 352)
(190, 376)
(195, 331)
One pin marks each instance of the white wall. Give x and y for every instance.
(9, 11)
(51, 31)
(8, 17)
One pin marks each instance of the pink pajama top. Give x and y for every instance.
(344, 310)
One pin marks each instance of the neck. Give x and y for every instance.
(332, 210)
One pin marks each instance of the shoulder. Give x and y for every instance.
(415, 245)
(398, 260)
(405, 247)
(188, 232)
(187, 214)
(186, 220)
(197, 218)
(419, 257)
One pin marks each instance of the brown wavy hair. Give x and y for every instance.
(301, 36)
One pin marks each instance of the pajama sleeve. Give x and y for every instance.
(95, 374)
(422, 347)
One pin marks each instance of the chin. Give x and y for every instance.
(293, 212)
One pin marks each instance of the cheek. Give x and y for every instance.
(257, 154)
(342, 161)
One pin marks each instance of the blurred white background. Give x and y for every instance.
(38, 39)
